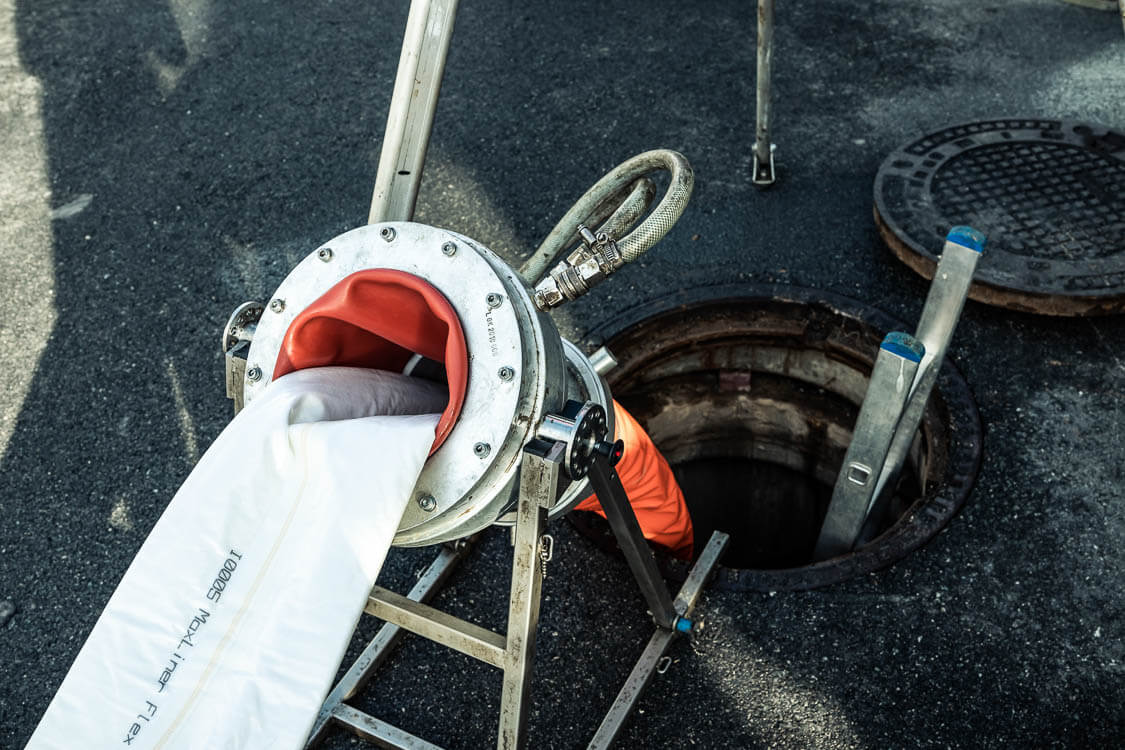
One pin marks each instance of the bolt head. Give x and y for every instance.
(324, 253)
(427, 503)
(449, 249)
(277, 305)
(254, 374)
(494, 300)
(387, 233)
(506, 373)
(482, 449)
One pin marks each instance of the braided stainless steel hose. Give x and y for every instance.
(574, 275)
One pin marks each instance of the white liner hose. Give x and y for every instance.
(227, 628)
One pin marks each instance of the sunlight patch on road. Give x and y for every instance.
(27, 309)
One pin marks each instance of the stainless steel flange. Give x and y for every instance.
(517, 371)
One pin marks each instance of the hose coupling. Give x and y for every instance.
(595, 259)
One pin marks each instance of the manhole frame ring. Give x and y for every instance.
(921, 523)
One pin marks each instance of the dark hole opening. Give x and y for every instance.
(775, 528)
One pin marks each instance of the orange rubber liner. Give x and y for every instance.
(378, 318)
(653, 491)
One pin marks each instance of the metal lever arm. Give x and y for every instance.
(623, 522)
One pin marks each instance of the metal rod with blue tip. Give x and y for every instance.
(963, 249)
(615, 502)
(887, 393)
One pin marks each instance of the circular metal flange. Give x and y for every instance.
(580, 427)
(1048, 194)
(516, 365)
(769, 329)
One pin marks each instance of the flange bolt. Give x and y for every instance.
(427, 503)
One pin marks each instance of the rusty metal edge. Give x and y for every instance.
(1058, 305)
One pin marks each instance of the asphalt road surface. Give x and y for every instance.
(162, 162)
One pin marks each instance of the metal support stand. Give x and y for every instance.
(429, 27)
(763, 169)
(335, 711)
(649, 663)
(514, 653)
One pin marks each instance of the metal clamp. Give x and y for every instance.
(596, 258)
(237, 335)
(764, 171)
(580, 428)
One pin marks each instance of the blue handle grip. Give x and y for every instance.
(904, 345)
(967, 237)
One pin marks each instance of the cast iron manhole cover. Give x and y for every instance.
(1048, 194)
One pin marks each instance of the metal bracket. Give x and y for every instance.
(764, 172)
(237, 335)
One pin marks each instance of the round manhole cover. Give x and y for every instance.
(1048, 194)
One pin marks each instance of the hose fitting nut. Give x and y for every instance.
(589, 265)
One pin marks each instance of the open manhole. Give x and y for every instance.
(1048, 194)
(751, 393)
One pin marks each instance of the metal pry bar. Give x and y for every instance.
(963, 249)
(887, 393)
